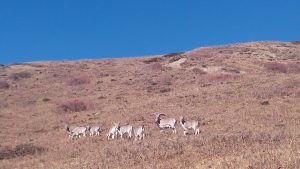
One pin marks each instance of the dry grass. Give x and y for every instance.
(248, 120)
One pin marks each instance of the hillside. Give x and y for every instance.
(246, 97)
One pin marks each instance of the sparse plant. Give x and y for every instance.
(80, 80)
(74, 106)
(20, 150)
(151, 60)
(173, 54)
(164, 90)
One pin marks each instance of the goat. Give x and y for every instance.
(94, 130)
(187, 125)
(139, 133)
(165, 123)
(76, 131)
(113, 131)
(125, 129)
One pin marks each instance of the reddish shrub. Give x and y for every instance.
(80, 80)
(276, 67)
(4, 84)
(74, 106)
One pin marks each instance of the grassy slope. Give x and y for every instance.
(238, 130)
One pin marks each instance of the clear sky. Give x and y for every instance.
(32, 30)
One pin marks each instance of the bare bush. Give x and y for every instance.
(80, 80)
(4, 84)
(74, 106)
(20, 75)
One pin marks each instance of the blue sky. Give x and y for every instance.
(33, 30)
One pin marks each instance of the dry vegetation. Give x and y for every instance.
(246, 97)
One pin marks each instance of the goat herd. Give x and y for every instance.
(139, 133)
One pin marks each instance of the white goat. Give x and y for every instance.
(165, 123)
(113, 131)
(187, 125)
(76, 131)
(94, 130)
(139, 133)
(125, 129)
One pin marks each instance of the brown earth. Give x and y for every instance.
(246, 97)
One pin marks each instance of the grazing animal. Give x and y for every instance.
(139, 133)
(76, 131)
(113, 131)
(165, 123)
(95, 130)
(125, 129)
(188, 125)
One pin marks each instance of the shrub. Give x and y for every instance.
(4, 84)
(20, 75)
(80, 80)
(276, 67)
(151, 60)
(74, 106)
(165, 90)
(173, 54)
(174, 59)
(20, 150)
(46, 99)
